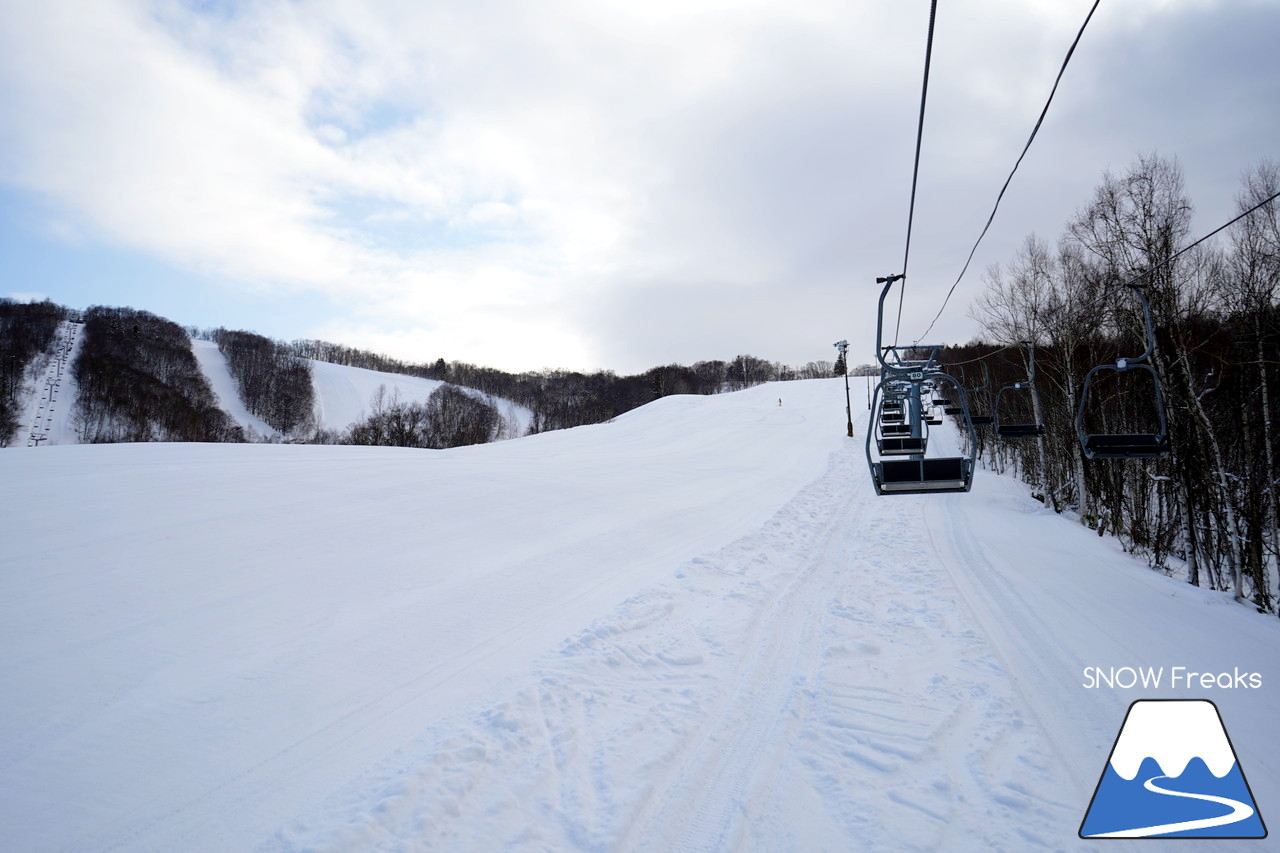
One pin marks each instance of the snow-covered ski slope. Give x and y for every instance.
(694, 628)
(213, 364)
(343, 394)
(51, 399)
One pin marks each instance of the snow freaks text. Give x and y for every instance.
(1174, 678)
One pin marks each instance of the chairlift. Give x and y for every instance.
(971, 393)
(1004, 428)
(916, 474)
(1145, 445)
(896, 438)
(1033, 428)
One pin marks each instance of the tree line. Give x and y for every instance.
(559, 399)
(1213, 501)
(274, 383)
(449, 417)
(27, 331)
(139, 381)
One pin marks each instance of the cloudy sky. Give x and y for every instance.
(587, 183)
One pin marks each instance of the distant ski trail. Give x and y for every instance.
(48, 416)
(1239, 811)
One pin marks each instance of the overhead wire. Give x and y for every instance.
(1093, 303)
(915, 173)
(1039, 121)
(1186, 249)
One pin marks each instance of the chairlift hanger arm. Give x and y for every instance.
(1146, 318)
(901, 367)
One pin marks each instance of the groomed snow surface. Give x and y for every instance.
(694, 628)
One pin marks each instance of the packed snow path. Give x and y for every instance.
(691, 629)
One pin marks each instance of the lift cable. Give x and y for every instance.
(1099, 300)
(1066, 60)
(1186, 249)
(915, 174)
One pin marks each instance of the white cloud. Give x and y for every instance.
(447, 173)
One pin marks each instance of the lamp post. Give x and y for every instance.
(843, 347)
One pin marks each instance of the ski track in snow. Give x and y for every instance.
(822, 667)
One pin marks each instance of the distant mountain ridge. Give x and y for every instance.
(141, 377)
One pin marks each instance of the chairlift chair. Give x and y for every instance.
(1024, 429)
(1144, 445)
(918, 474)
(971, 394)
(924, 476)
(896, 439)
(1034, 429)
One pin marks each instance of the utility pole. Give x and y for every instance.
(843, 347)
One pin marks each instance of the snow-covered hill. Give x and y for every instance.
(694, 628)
(343, 394)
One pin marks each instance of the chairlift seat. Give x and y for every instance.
(1020, 430)
(919, 476)
(953, 410)
(904, 446)
(933, 420)
(895, 429)
(892, 417)
(941, 401)
(982, 420)
(1140, 446)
